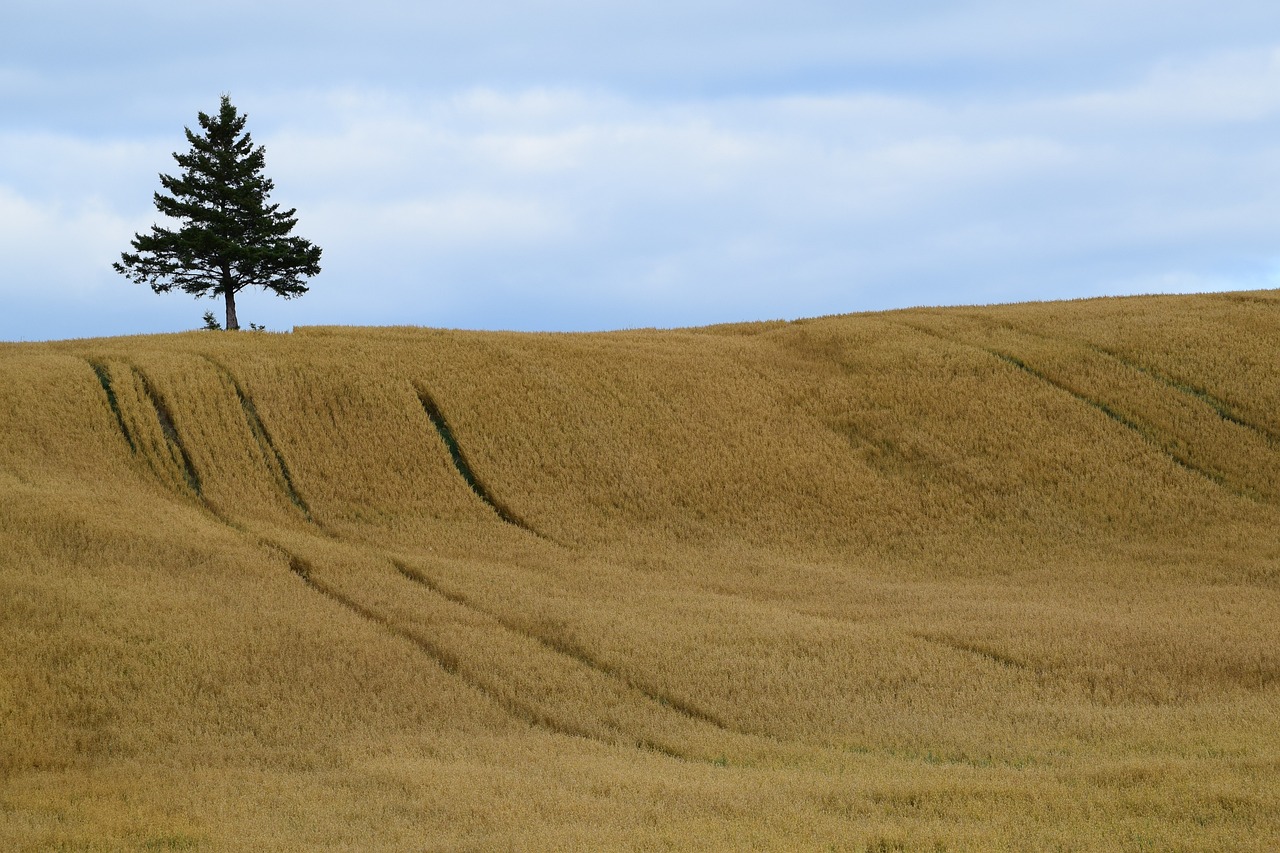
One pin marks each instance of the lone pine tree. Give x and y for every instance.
(229, 237)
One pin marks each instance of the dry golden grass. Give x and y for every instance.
(944, 579)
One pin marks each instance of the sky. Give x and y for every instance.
(566, 165)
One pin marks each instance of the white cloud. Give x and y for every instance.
(60, 166)
(1235, 87)
(60, 246)
(460, 223)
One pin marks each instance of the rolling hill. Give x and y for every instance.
(935, 579)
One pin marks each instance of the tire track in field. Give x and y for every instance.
(463, 466)
(603, 732)
(571, 652)
(454, 666)
(1197, 398)
(978, 650)
(171, 433)
(104, 379)
(1145, 433)
(266, 446)
(164, 419)
(1197, 394)
(1220, 407)
(303, 569)
(447, 661)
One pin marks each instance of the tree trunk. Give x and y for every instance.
(233, 324)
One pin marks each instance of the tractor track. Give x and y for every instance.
(569, 651)
(1146, 433)
(463, 466)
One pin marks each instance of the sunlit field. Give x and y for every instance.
(939, 580)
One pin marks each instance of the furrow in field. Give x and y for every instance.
(1132, 399)
(170, 433)
(462, 465)
(557, 720)
(104, 378)
(1178, 458)
(271, 456)
(540, 681)
(573, 653)
(1223, 409)
(984, 652)
(147, 426)
(456, 664)
(1191, 426)
(552, 719)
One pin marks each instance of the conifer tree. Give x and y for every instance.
(229, 236)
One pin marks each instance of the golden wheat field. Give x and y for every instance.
(954, 579)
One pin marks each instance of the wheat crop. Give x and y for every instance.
(938, 579)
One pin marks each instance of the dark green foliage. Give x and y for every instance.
(230, 236)
(211, 323)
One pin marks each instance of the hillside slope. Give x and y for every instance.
(928, 579)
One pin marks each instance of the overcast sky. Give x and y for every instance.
(591, 164)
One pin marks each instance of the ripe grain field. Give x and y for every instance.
(937, 579)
